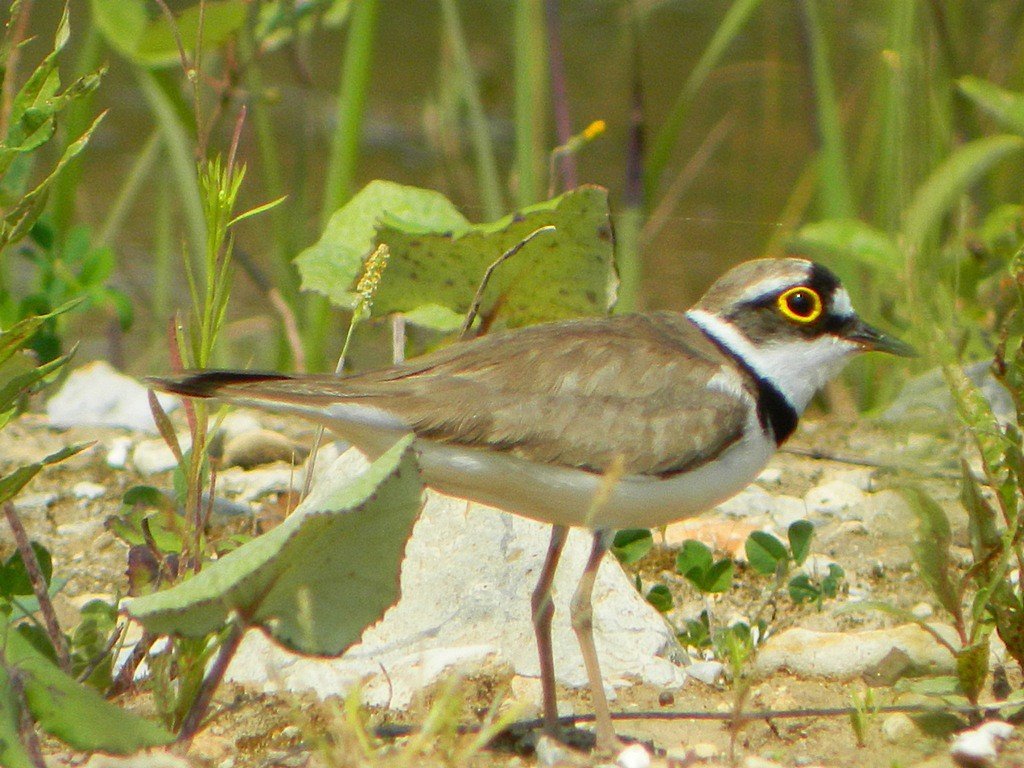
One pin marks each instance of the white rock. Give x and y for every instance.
(848, 655)
(254, 484)
(753, 761)
(980, 746)
(87, 490)
(787, 510)
(465, 605)
(550, 753)
(152, 456)
(833, 498)
(898, 728)
(634, 756)
(117, 455)
(97, 395)
(750, 502)
(770, 476)
(708, 672)
(859, 477)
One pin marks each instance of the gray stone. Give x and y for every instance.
(465, 605)
(117, 453)
(259, 447)
(834, 498)
(849, 655)
(99, 396)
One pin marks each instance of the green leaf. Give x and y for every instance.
(765, 553)
(15, 481)
(840, 240)
(74, 713)
(802, 590)
(562, 274)
(128, 28)
(1007, 107)
(930, 547)
(693, 557)
(954, 176)
(14, 579)
(660, 597)
(718, 578)
(972, 668)
(631, 544)
(316, 581)
(334, 263)
(800, 534)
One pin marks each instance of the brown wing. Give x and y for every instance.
(578, 394)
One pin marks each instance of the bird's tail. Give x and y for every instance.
(212, 383)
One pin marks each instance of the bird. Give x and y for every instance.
(624, 421)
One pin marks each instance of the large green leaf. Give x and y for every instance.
(130, 30)
(69, 710)
(332, 265)
(316, 581)
(1005, 106)
(562, 274)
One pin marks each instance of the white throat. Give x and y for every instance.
(797, 368)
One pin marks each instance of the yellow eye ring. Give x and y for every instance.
(801, 304)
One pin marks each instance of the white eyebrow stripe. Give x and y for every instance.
(768, 287)
(841, 304)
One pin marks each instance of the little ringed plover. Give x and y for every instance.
(684, 409)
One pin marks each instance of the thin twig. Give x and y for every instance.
(108, 648)
(35, 576)
(396, 730)
(126, 675)
(194, 719)
(291, 328)
(474, 307)
(26, 728)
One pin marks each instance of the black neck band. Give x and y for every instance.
(774, 411)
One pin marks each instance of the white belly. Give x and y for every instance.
(566, 496)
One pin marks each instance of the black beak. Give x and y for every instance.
(873, 340)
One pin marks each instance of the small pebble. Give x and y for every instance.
(753, 761)
(117, 456)
(666, 699)
(898, 728)
(923, 610)
(770, 476)
(34, 502)
(634, 756)
(291, 732)
(87, 490)
(152, 456)
(549, 752)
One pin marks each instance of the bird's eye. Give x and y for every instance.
(802, 304)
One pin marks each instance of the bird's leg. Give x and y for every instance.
(543, 611)
(582, 612)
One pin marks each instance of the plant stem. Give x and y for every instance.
(26, 728)
(559, 93)
(350, 112)
(129, 192)
(530, 75)
(35, 576)
(479, 133)
(629, 221)
(834, 183)
(194, 719)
